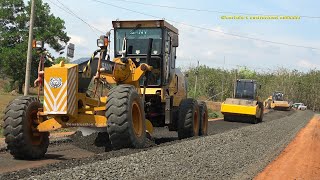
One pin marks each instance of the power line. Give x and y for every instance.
(210, 11)
(212, 30)
(69, 11)
(92, 27)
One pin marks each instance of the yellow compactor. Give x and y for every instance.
(246, 105)
(278, 102)
(144, 90)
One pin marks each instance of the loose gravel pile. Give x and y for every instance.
(236, 154)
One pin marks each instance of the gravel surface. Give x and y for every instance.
(98, 142)
(234, 154)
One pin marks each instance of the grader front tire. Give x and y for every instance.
(21, 135)
(126, 118)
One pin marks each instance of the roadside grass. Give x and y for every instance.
(214, 114)
(4, 101)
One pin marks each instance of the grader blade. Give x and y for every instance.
(86, 131)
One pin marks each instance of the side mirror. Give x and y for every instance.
(103, 42)
(175, 40)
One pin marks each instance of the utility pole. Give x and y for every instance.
(196, 82)
(29, 53)
(222, 78)
(235, 81)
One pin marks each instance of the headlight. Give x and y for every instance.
(37, 44)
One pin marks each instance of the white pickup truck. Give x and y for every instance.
(300, 106)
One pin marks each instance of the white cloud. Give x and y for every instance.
(102, 24)
(211, 47)
(308, 64)
(79, 40)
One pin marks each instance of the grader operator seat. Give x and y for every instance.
(154, 77)
(163, 52)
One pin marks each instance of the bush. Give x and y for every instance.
(214, 114)
(7, 87)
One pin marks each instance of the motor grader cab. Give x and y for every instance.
(145, 90)
(278, 101)
(245, 105)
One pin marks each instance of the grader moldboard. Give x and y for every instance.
(147, 91)
(246, 104)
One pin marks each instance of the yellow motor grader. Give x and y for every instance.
(145, 90)
(246, 104)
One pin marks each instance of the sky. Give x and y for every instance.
(208, 45)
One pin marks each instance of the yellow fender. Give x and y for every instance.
(149, 127)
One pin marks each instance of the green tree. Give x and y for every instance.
(296, 86)
(245, 73)
(14, 25)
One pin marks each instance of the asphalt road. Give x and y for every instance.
(227, 152)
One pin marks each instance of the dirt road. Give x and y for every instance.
(300, 159)
(54, 155)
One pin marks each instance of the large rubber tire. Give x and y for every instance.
(125, 118)
(21, 135)
(203, 118)
(260, 119)
(189, 119)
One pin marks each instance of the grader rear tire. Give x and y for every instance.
(126, 118)
(189, 119)
(20, 121)
(203, 119)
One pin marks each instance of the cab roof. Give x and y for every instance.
(144, 24)
(246, 80)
